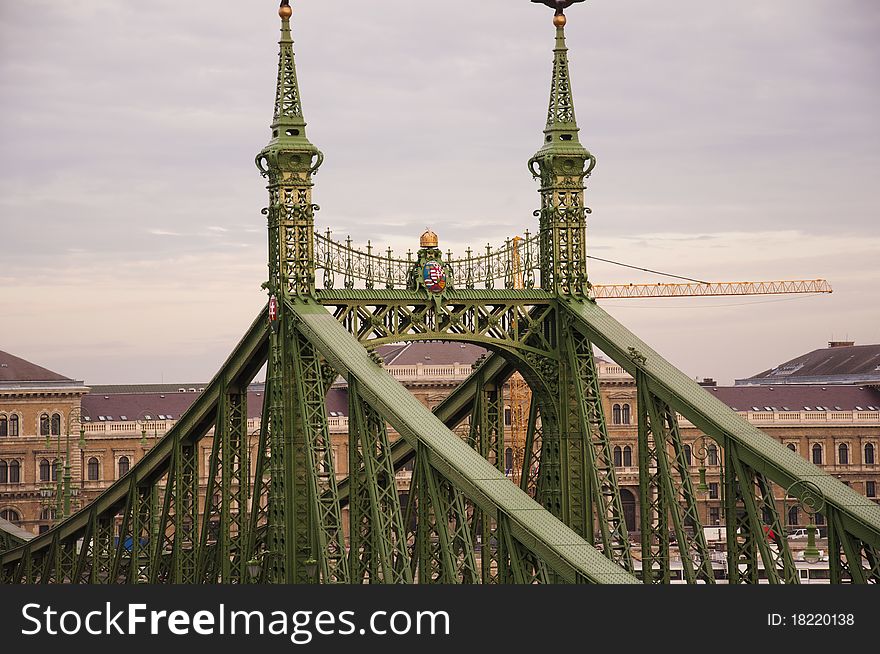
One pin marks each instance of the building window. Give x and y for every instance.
(508, 416)
(843, 454)
(624, 414)
(56, 424)
(14, 472)
(618, 456)
(792, 447)
(13, 425)
(817, 454)
(93, 469)
(714, 515)
(10, 514)
(44, 424)
(687, 455)
(47, 514)
(712, 455)
(508, 460)
(125, 464)
(627, 456)
(44, 528)
(869, 454)
(615, 414)
(871, 489)
(713, 490)
(4, 426)
(44, 470)
(4, 472)
(793, 518)
(819, 518)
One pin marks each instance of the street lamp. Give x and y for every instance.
(142, 418)
(700, 451)
(812, 501)
(64, 489)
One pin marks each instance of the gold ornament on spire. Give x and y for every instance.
(284, 10)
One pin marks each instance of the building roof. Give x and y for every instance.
(128, 405)
(16, 369)
(433, 353)
(840, 363)
(798, 398)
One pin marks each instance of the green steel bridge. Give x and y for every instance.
(286, 518)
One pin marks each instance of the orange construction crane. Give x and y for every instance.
(520, 393)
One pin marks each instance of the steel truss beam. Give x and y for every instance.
(378, 540)
(666, 491)
(753, 462)
(449, 456)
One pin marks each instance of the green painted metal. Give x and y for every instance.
(485, 486)
(668, 494)
(757, 452)
(465, 522)
(378, 547)
(562, 164)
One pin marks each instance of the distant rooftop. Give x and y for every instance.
(15, 371)
(842, 362)
(794, 397)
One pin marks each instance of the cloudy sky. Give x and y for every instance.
(735, 141)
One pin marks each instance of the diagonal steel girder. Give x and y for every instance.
(859, 515)
(563, 550)
(243, 363)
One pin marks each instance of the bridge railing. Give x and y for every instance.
(515, 264)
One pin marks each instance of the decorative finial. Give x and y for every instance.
(284, 10)
(559, 20)
(428, 239)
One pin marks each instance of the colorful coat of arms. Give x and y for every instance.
(434, 277)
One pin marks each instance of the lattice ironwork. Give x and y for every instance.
(341, 265)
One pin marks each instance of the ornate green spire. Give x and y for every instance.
(562, 164)
(289, 161)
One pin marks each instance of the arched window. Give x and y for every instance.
(869, 454)
(4, 426)
(44, 470)
(508, 460)
(14, 472)
(55, 466)
(687, 454)
(44, 424)
(627, 456)
(712, 455)
(124, 464)
(615, 414)
(4, 472)
(817, 454)
(56, 424)
(792, 447)
(13, 425)
(10, 514)
(618, 456)
(47, 514)
(843, 454)
(624, 411)
(793, 517)
(93, 469)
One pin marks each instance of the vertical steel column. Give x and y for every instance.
(652, 500)
(378, 540)
(596, 443)
(327, 537)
